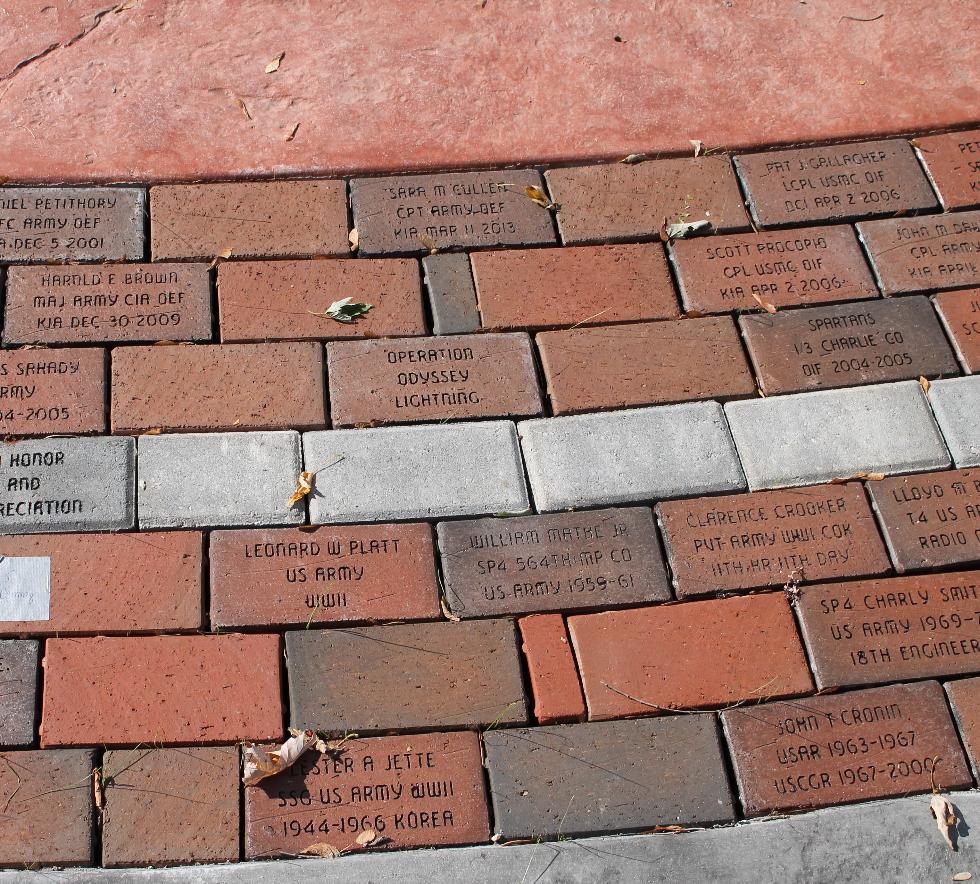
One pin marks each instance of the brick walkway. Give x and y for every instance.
(634, 504)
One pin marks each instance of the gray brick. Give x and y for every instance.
(220, 479)
(18, 692)
(638, 454)
(815, 437)
(432, 471)
(452, 295)
(67, 484)
(956, 404)
(607, 776)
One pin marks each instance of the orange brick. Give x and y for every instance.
(592, 285)
(278, 300)
(693, 655)
(161, 689)
(107, 583)
(551, 665)
(218, 387)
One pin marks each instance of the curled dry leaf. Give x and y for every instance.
(682, 229)
(223, 255)
(962, 876)
(536, 195)
(448, 614)
(244, 108)
(698, 146)
(924, 383)
(98, 788)
(945, 817)
(304, 486)
(857, 477)
(429, 243)
(292, 133)
(122, 7)
(353, 238)
(765, 305)
(346, 310)
(273, 65)
(633, 158)
(366, 838)
(260, 764)
(321, 849)
(153, 431)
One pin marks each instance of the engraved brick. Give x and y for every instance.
(420, 675)
(561, 562)
(611, 776)
(873, 631)
(423, 790)
(964, 697)
(847, 345)
(70, 484)
(129, 303)
(252, 219)
(784, 268)
(300, 577)
(930, 520)
(52, 391)
(426, 379)
(71, 224)
(924, 254)
(650, 363)
(170, 806)
(956, 405)
(621, 201)
(434, 471)
(834, 182)
(960, 314)
(594, 285)
(408, 214)
(814, 437)
(173, 689)
(551, 668)
(826, 750)
(694, 655)
(235, 387)
(280, 300)
(219, 479)
(47, 801)
(109, 583)
(452, 295)
(625, 456)
(770, 538)
(953, 163)
(18, 699)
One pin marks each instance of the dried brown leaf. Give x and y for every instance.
(292, 133)
(353, 238)
(945, 817)
(698, 147)
(154, 431)
(857, 477)
(536, 195)
(924, 383)
(962, 876)
(273, 65)
(223, 255)
(98, 789)
(367, 837)
(765, 305)
(260, 764)
(122, 7)
(244, 108)
(429, 243)
(448, 614)
(304, 486)
(632, 158)
(322, 849)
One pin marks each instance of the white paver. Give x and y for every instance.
(956, 404)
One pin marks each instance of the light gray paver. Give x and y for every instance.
(956, 404)
(67, 484)
(814, 437)
(18, 692)
(637, 454)
(452, 295)
(193, 480)
(432, 471)
(884, 842)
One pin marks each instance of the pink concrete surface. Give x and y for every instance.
(150, 92)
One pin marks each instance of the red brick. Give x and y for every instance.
(355, 573)
(953, 163)
(588, 369)
(831, 182)
(551, 666)
(52, 391)
(930, 520)
(47, 808)
(129, 302)
(960, 313)
(964, 697)
(547, 288)
(784, 268)
(874, 631)
(167, 807)
(924, 254)
(161, 689)
(251, 219)
(218, 387)
(621, 201)
(827, 750)
(278, 300)
(692, 655)
(770, 538)
(425, 379)
(109, 583)
(446, 766)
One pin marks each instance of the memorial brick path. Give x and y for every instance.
(641, 497)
